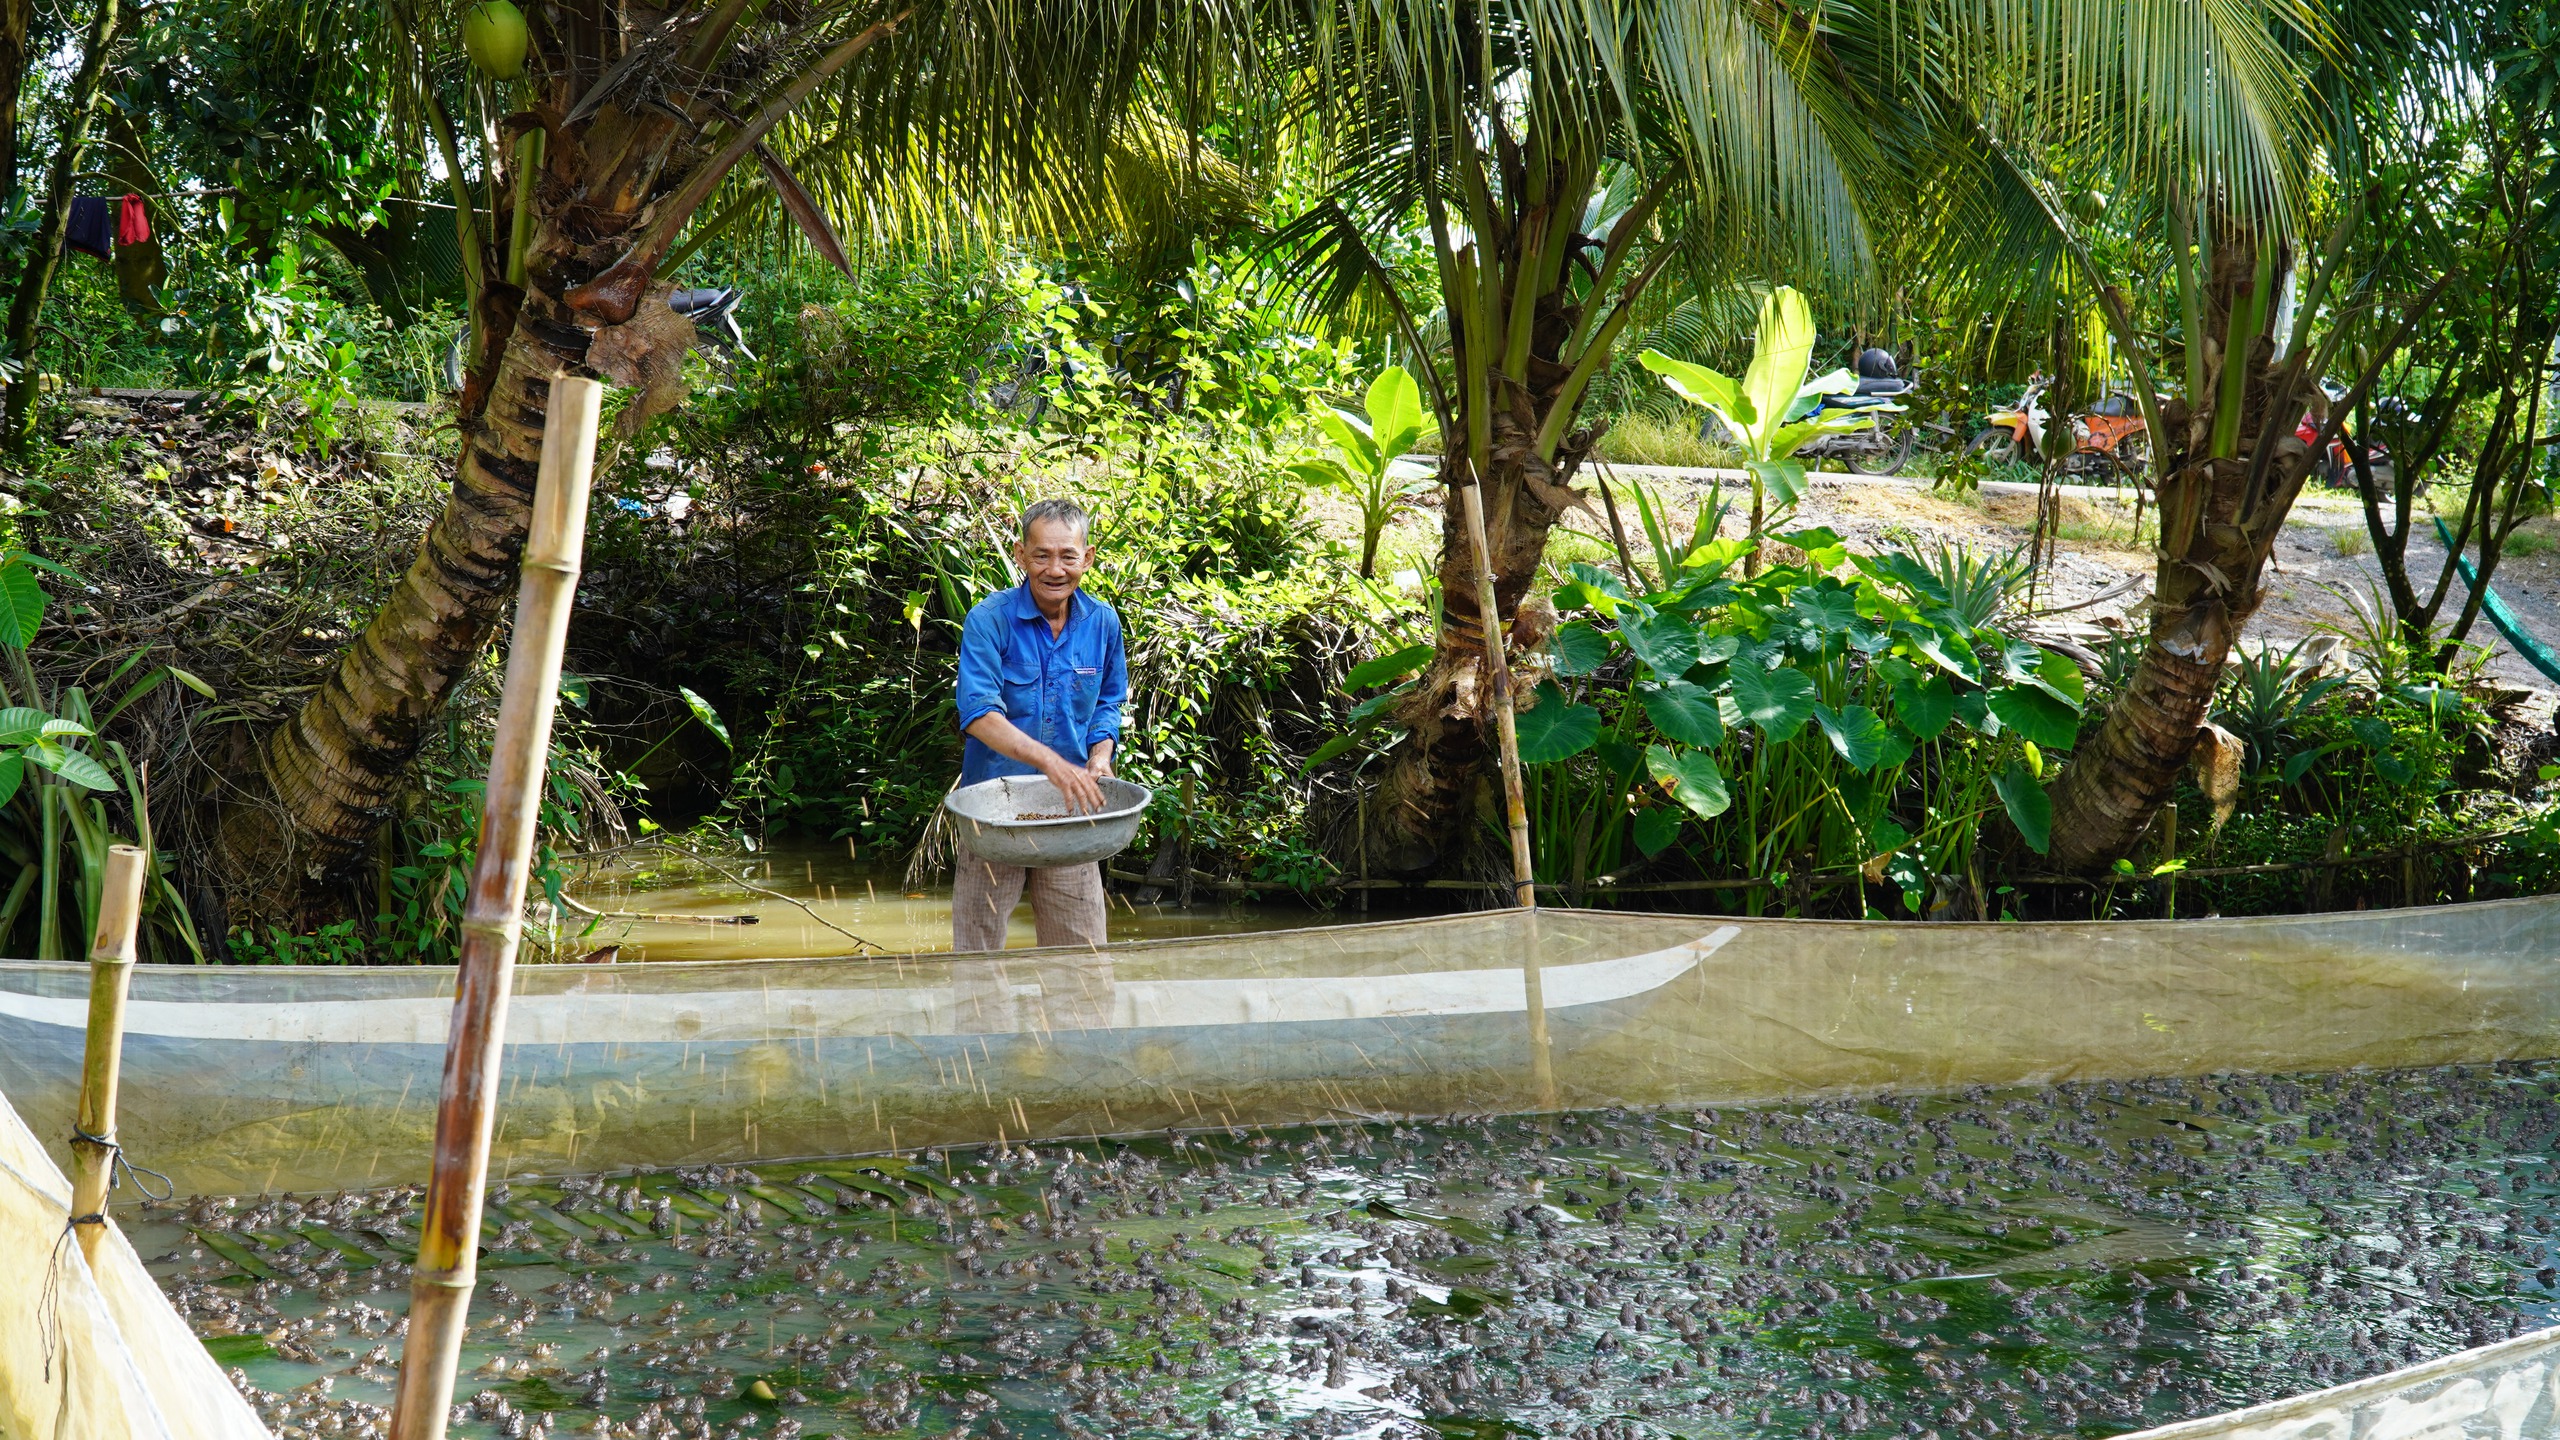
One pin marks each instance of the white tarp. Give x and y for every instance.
(89, 1358)
(2507, 1391)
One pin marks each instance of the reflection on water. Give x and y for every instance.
(814, 899)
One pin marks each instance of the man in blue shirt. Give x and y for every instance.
(1042, 677)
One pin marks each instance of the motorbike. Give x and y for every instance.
(1884, 446)
(2107, 437)
(2337, 466)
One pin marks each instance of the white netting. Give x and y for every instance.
(83, 1357)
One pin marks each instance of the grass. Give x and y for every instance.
(1640, 439)
(2350, 541)
(2105, 525)
(2531, 539)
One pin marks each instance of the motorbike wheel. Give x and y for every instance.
(1891, 451)
(1993, 443)
(2133, 455)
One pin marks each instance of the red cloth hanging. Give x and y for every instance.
(133, 221)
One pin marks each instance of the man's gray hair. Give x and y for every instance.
(1060, 511)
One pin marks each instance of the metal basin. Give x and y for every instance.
(986, 819)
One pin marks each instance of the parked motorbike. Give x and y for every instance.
(2337, 466)
(2108, 437)
(1885, 445)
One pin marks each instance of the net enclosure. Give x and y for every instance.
(246, 1081)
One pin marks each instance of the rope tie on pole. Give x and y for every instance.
(49, 1300)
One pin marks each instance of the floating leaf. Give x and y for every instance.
(1684, 712)
(1555, 729)
(1778, 701)
(1690, 777)
(1378, 670)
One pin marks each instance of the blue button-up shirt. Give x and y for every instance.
(1063, 690)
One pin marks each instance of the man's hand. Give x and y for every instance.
(1098, 760)
(1075, 785)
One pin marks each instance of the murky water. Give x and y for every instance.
(818, 900)
(2074, 1261)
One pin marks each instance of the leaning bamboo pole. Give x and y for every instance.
(1524, 887)
(111, 954)
(493, 924)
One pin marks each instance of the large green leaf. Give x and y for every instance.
(1656, 827)
(1778, 701)
(1685, 712)
(1379, 669)
(1667, 643)
(1783, 479)
(1856, 732)
(2030, 809)
(1710, 389)
(13, 769)
(21, 604)
(1579, 648)
(1554, 728)
(2049, 722)
(1778, 358)
(18, 724)
(1395, 411)
(71, 765)
(1924, 704)
(1690, 777)
(1350, 435)
(703, 712)
(2059, 675)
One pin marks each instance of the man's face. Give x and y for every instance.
(1053, 557)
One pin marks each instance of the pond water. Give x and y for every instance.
(2082, 1260)
(815, 899)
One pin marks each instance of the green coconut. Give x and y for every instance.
(494, 34)
(2088, 205)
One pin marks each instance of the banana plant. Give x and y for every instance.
(1368, 462)
(1772, 411)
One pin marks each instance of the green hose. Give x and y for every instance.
(2536, 653)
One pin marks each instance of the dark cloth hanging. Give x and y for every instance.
(93, 227)
(133, 221)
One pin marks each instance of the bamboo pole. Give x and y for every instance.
(111, 954)
(448, 1239)
(1498, 668)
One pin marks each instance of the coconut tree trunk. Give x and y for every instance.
(44, 260)
(1427, 792)
(1526, 343)
(2237, 469)
(615, 188)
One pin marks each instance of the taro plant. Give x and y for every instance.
(1835, 717)
(1367, 463)
(1770, 411)
(58, 780)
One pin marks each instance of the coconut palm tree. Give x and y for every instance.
(2218, 270)
(595, 165)
(1566, 159)
(1558, 161)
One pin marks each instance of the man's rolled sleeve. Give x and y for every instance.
(981, 687)
(1115, 689)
